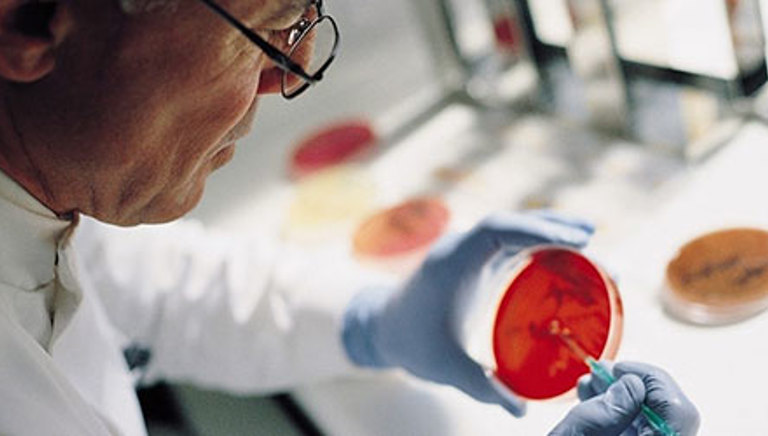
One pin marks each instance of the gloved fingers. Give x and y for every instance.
(664, 396)
(589, 386)
(584, 388)
(519, 224)
(644, 370)
(357, 327)
(447, 242)
(513, 232)
(607, 414)
(472, 379)
(505, 232)
(561, 218)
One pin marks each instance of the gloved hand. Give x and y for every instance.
(414, 327)
(617, 410)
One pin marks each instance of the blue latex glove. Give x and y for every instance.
(617, 410)
(414, 327)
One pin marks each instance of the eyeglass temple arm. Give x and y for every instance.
(280, 59)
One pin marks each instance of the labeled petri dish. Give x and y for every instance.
(528, 293)
(332, 145)
(402, 229)
(719, 277)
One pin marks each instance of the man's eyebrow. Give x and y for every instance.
(284, 14)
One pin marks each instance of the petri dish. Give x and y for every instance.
(337, 143)
(720, 277)
(528, 292)
(507, 34)
(404, 228)
(327, 204)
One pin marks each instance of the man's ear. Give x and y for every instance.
(30, 31)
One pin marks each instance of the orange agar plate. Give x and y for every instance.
(553, 284)
(402, 229)
(720, 277)
(332, 145)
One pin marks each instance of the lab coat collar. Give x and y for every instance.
(32, 236)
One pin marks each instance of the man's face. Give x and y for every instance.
(140, 109)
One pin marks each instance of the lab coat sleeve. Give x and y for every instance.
(243, 314)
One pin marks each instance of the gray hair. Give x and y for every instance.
(140, 6)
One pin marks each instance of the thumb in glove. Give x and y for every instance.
(608, 414)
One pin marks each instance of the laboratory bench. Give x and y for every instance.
(645, 203)
(645, 206)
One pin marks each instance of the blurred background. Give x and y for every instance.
(383, 65)
(607, 109)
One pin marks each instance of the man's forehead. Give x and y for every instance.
(275, 13)
(259, 11)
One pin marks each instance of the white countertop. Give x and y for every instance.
(645, 207)
(644, 204)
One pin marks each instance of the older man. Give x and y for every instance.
(115, 114)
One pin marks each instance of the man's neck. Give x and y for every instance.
(18, 162)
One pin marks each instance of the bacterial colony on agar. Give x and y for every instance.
(557, 285)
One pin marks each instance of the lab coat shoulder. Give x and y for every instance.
(36, 397)
(234, 312)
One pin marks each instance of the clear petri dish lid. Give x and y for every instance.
(718, 278)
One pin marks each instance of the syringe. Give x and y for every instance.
(600, 371)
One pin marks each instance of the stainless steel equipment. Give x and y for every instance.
(678, 74)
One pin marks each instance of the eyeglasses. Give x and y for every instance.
(312, 46)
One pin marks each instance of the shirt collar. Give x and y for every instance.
(30, 237)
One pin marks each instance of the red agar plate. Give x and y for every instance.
(507, 32)
(332, 145)
(401, 229)
(554, 284)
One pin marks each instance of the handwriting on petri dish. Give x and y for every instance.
(735, 270)
(723, 267)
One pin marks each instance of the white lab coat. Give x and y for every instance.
(216, 311)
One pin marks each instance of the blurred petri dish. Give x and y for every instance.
(332, 145)
(402, 229)
(328, 202)
(719, 277)
(507, 33)
(539, 286)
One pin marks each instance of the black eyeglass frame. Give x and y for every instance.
(280, 59)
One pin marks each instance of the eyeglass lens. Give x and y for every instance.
(311, 49)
